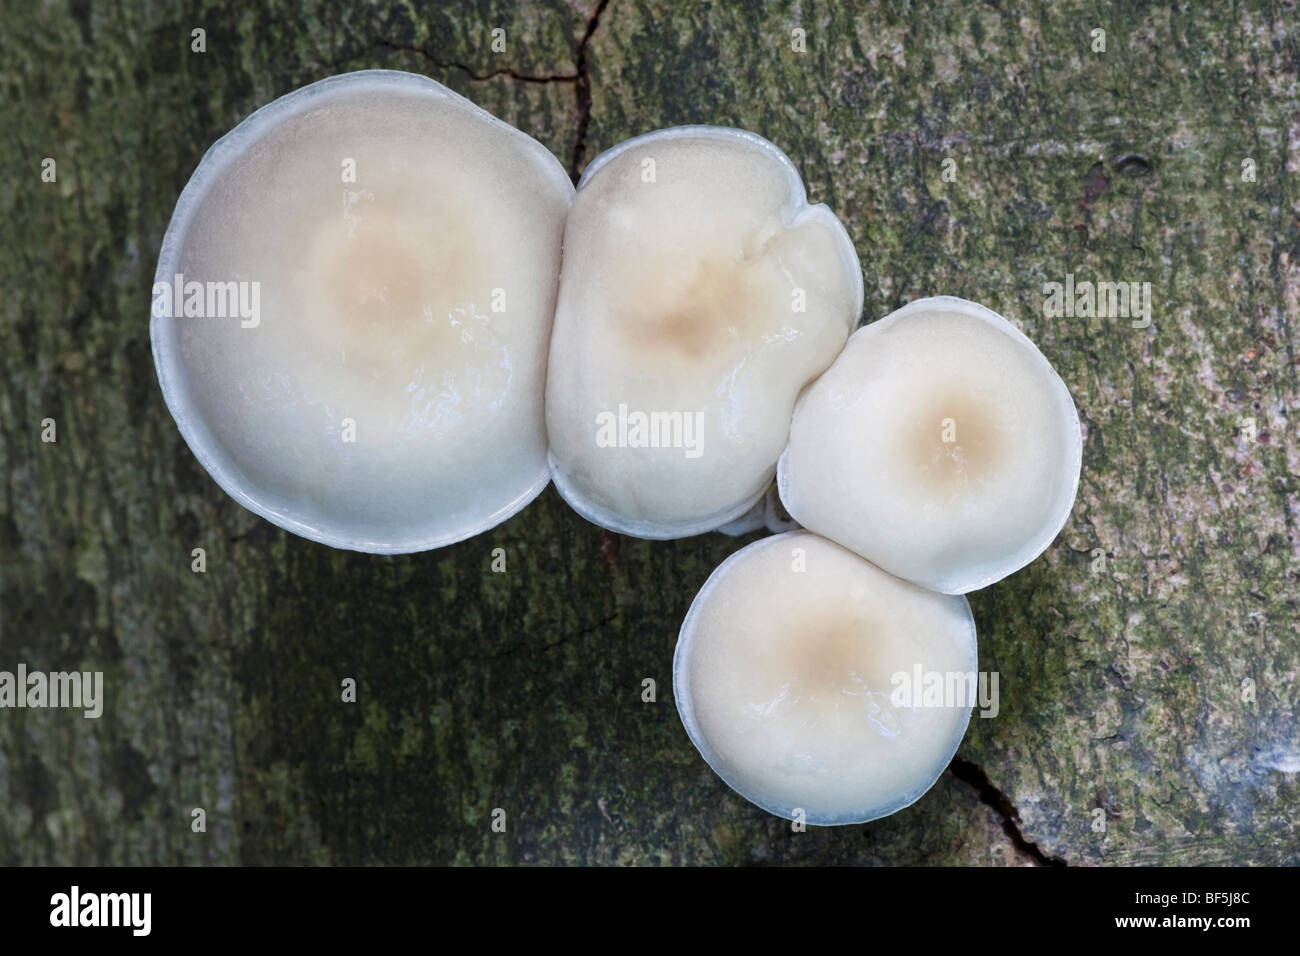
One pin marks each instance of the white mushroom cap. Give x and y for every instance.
(698, 287)
(786, 675)
(940, 445)
(407, 247)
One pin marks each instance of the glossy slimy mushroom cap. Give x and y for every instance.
(940, 445)
(395, 252)
(700, 293)
(787, 678)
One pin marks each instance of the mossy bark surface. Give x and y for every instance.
(1148, 660)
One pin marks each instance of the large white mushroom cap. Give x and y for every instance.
(406, 248)
(940, 445)
(700, 293)
(795, 677)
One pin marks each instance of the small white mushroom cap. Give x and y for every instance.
(406, 247)
(698, 287)
(788, 675)
(940, 445)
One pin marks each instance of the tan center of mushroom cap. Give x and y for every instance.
(392, 300)
(952, 443)
(690, 311)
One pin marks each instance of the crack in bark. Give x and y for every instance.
(582, 88)
(506, 71)
(542, 648)
(580, 78)
(974, 775)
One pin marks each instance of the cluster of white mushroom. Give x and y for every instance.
(445, 326)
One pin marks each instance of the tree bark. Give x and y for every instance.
(1147, 660)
